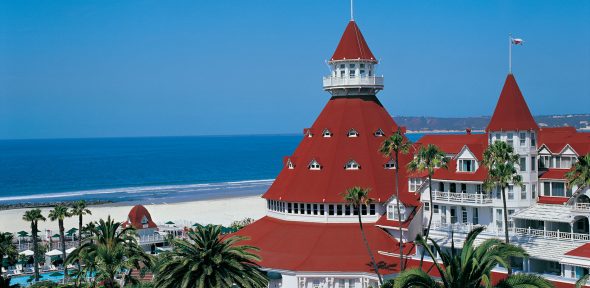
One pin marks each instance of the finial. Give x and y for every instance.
(351, 10)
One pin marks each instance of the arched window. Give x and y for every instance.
(379, 133)
(314, 165)
(352, 165)
(327, 133)
(352, 133)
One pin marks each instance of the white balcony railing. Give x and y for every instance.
(582, 207)
(558, 235)
(370, 81)
(150, 239)
(461, 197)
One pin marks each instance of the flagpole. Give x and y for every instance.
(509, 53)
(351, 10)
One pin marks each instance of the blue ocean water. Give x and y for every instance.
(141, 169)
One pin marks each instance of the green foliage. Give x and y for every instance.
(7, 249)
(79, 209)
(239, 224)
(582, 281)
(59, 213)
(471, 267)
(579, 175)
(208, 260)
(34, 216)
(113, 249)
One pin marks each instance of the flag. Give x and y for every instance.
(517, 41)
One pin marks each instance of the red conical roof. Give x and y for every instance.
(352, 45)
(512, 112)
(365, 115)
(139, 218)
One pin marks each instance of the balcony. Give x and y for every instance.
(151, 239)
(556, 235)
(581, 207)
(333, 82)
(469, 198)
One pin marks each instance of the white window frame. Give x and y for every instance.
(352, 133)
(314, 165)
(379, 133)
(389, 165)
(352, 165)
(326, 133)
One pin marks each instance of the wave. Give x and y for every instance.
(162, 189)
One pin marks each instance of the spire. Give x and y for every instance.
(512, 112)
(352, 45)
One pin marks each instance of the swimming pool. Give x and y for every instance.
(22, 280)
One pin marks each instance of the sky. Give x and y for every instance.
(72, 69)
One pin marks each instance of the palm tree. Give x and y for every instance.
(500, 160)
(34, 216)
(391, 148)
(79, 209)
(59, 213)
(113, 249)
(89, 230)
(207, 259)
(359, 197)
(580, 173)
(471, 267)
(426, 160)
(582, 281)
(7, 248)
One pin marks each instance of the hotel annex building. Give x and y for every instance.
(310, 236)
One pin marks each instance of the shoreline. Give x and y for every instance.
(220, 210)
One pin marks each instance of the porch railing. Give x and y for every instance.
(150, 239)
(558, 235)
(583, 207)
(461, 197)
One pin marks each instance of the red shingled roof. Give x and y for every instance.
(353, 45)
(512, 112)
(553, 173)
(453, 143)
(302, 246)
(552, 200)
(582, 251)
(136, 216)
(364, 114)
(555, 139)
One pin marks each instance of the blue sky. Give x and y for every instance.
(137, 68)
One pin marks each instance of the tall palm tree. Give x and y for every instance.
(359, 197)
(7, 248)
(426, 159)
(391, 148)
(500, 160)
(207, 259)
(79, 209)
(580, 173)
(471, 267)
(59, 213)
(113, 250)
(34, 216)
(89, 230)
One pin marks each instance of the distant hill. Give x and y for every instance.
(580, 121)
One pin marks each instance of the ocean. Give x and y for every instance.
(147, 170)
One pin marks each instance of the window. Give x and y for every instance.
(347, 209)
(290, 164)
(498, 137)
(546, 188)
(364, 210)
(322, 212)
(557, 189)
(289, 208)
(331, 209)
(352, 165)
(510, 192)
(326, 133)
(362, 65)
(389, 165)
(441, 186)
(510, 222)
(522, 138)
(314, 165)
(466, 165)
(426, 206)
(566, 162)
(342, 73)
(352, 133)
(372, 209)
(342, 66)
(463, 188)
(533, 191)
(415, 183)
(309, 209)
(435, 208)
(475, 216)
(557, 162)
(295, 208)
(362, 73)
(352, 73)
(338, 209)
(453, 188)
(443, 214)
(544, 162)
(533, 163)
(522, 164)
(464, 215)
(390, 212)
(523, 192)
(499, 219)
(478, 188)
(315, 209)
(352, 65)
(453, 216)
(533, 140)
(379, 133)
(510, 139)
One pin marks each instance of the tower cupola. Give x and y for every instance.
(353, 66)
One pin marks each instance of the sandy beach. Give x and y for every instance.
(215, 211)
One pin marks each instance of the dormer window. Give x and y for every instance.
(352, 133)
(314, 165)
(290, 165)
(466, 165)
(327, 133)
(352, 165)
(379, 133)
(389, 165)
(307, 133)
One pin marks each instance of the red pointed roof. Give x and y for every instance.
(512, 112)
(139, 218)
(366, 115)
(353, 45)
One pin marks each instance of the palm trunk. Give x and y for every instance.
(79, 230)
(399, 215)
(506, 237)
(429, 220)
(62, 239)
(35, 250)
(369, 248)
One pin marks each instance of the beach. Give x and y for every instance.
(221, 211)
